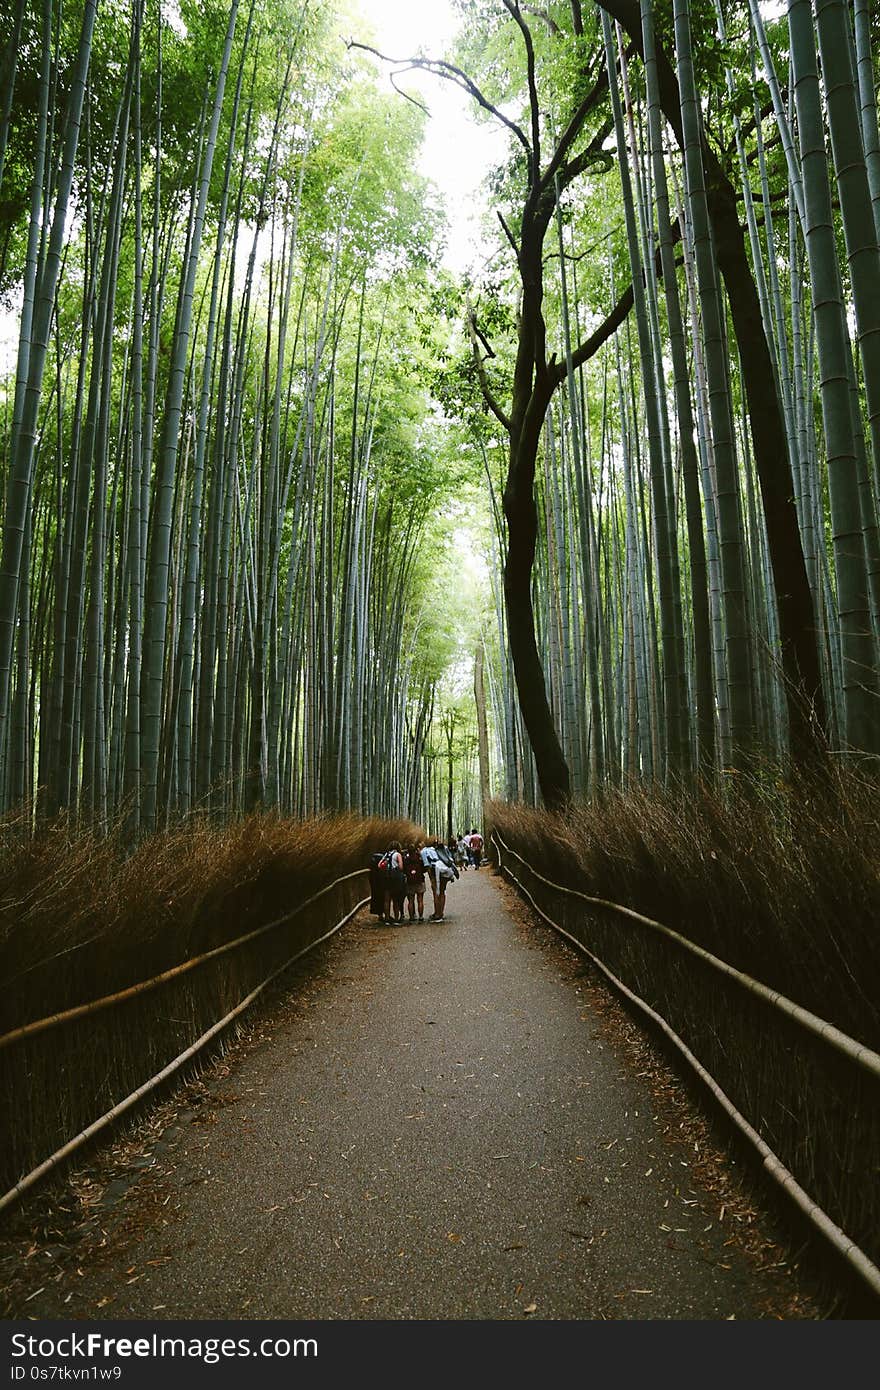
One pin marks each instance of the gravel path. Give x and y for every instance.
(436, 1124)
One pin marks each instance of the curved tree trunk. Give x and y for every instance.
(532, 390)
(797, 620)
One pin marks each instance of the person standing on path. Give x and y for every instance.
(414, 870)
(475, 841)
(441, 871)
(391, 867)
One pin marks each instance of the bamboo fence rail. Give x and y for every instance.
(40, 1025)
(856, 1052)
(24, 1184)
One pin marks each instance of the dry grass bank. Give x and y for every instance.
(780, 879)
(79, 919)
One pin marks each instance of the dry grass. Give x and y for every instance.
(782, 880)
(79, 919)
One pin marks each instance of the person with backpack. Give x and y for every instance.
(441, 871)
(390, 867)
(475, 841)
(414, 871)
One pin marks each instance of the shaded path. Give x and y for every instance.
(435, 1125)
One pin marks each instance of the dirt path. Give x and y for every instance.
(436, 1124)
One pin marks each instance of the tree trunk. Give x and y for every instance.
(531, 396)
(797, 622)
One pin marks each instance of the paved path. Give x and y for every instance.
(435, 1125)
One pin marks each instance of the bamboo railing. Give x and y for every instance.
(122, 1107)
(855, 1052)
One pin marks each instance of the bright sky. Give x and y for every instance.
(458, 150)
(457, 153)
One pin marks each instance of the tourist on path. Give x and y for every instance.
(414, 870)
(391, 866)
(441, 871)
(475, 841)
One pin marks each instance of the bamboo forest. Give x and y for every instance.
(250, 413)
(552, 512)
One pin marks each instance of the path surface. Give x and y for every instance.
(434, 1126)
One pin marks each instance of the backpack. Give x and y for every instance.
(390, 862)
(476, 842)
(413, 867)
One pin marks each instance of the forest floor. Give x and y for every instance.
(442, 1121)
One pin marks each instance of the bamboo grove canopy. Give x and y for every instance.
(250, 418)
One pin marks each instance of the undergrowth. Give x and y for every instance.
(778, 878)
(81, 917)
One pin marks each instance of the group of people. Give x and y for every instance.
(399, 876)
(467, 850)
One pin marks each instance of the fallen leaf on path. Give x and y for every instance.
(530, 1308)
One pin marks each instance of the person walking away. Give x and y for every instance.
(465, 842)
(391, 867)
(462, 856)
(414, 870)
(476, 844)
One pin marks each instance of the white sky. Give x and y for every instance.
(458, 150)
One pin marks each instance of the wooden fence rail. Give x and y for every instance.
(71, 1020)
(855, 1053)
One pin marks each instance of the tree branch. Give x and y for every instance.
(575, 126)
(593, 154)
(509, 234)
(544, 14)
(450, 73)
(590, 346)
(401, 93)
(513, 9)
(479, 363)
